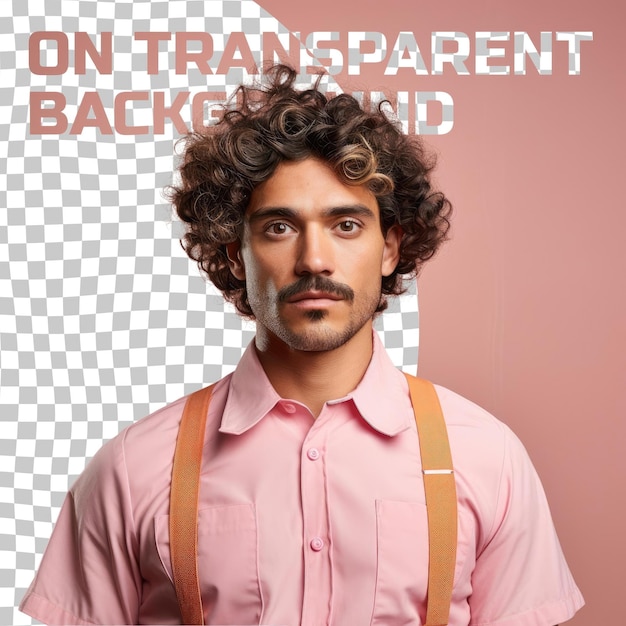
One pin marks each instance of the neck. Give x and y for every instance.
(313, 378)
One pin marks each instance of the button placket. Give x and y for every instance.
(317, 572)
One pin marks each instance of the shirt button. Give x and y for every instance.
(313, 454)
(289, 408)
(317, 543)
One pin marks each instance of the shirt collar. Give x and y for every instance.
(250, 396)
(381, 397)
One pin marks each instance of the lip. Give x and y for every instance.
(319, 296)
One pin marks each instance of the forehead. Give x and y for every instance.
(309, 186)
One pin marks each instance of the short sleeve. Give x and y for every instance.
(521, 577)
(89, 572)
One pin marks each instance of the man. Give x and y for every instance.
(307, 213)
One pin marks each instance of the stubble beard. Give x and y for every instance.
(318, 336)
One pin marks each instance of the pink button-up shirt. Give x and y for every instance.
(306, 521)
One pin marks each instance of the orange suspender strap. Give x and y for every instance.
(184, 492)
(439, 489)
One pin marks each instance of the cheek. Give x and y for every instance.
(261, 279)
(369, 273)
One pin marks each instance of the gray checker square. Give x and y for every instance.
(103, 319)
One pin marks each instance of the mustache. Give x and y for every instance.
(315, 283)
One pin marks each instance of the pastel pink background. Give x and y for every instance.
(523, 311)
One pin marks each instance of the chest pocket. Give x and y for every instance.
(402, 563)
(227, 562)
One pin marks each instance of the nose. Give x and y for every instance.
(315, 252)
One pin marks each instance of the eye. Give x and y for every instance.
(348, 226)
(277, 228)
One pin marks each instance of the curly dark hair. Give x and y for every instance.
(274, 122)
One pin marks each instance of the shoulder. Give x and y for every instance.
(474, 431)
(155, 435)
(478, 440)
(139, 459)
(459, 411)
(490, 463)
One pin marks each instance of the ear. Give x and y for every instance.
(235, 264)
(391, 251)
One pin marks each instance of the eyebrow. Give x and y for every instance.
(338, 211)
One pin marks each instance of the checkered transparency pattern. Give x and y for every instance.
(103, 319)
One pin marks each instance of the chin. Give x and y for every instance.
(317, 337)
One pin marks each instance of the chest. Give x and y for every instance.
(309, 523)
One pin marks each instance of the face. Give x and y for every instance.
(312, 255)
